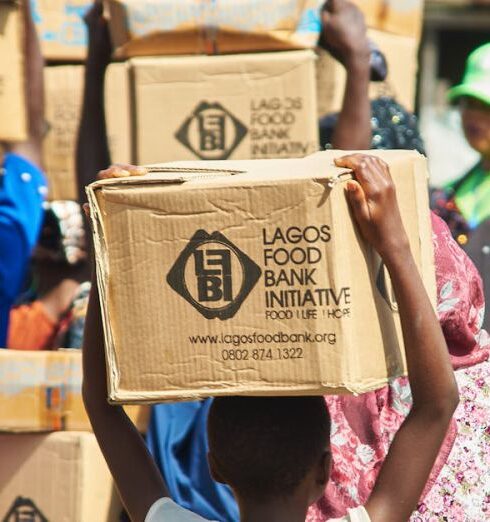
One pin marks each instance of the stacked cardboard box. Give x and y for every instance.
(55, 477)
(225, 106)
(245, 106)
(60, 475)
(61, 29)
(240, 106)
(42, 391)
(13, 124)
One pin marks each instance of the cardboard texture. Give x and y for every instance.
(59, 477)
(61, 29)
(249, 277)
(401, 17)
(156, 27)
(63, 100)
(213, 107)
(401, 53)
(42, 391)
(13, 123)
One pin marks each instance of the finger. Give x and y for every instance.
(86, 209)
(365, 170)
(357, 201)
(134, 170)
(113, 172)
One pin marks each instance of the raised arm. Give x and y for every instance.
(34, 85)
(92, 153)
(344, 36)
(435, 394)
(136, 476)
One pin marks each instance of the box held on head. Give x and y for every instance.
(61, 29)
(212, 107)
(164, 27)
(249, 277)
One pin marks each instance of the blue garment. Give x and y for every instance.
(22, 192)
(177, 439)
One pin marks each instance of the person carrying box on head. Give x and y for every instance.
(270, 451)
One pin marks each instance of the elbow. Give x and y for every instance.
(442, 409)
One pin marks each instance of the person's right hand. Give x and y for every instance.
(344, 31)
(372, 197)
(121, 171)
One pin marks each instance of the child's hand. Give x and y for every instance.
(121, 171)
(372, 198)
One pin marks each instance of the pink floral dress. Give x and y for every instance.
(364, 426)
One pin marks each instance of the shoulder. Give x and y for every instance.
(12, 162)
(166, 510)
(455, 185)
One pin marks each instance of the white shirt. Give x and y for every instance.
(166, 510)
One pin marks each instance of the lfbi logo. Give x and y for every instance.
(24, 510)
(213, 275)
(211, 132)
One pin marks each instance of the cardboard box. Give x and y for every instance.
(156, 27)
(60, 477)
(63, 94)
(42, 391)
(212, 107)
(13, 121)
(249, 277)
(61, 29)
(402, 17)
(401, 53)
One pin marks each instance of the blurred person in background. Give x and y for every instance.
(22, 183)
(465, 203)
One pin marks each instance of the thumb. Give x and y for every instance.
(357, 201)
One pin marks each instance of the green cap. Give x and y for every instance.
(476, 79)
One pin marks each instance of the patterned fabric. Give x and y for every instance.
(363, 427)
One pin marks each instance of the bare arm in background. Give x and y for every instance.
(92, 154)
(344, 35)
(31, 149)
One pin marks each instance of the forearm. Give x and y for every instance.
(353, 129)
(128, 458)
(425, 346)
(92, 154)
(135, 474)
(34, 89)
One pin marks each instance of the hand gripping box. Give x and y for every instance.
(249, 277)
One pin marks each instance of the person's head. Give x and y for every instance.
(473, 96)
(270, 448)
